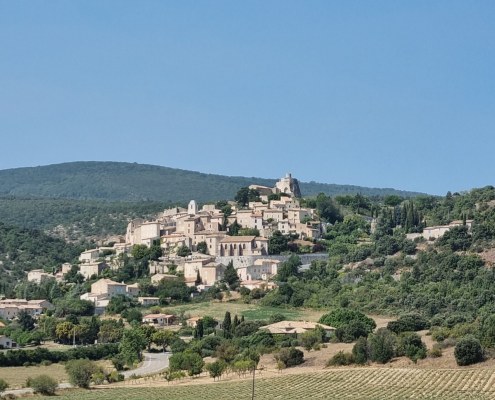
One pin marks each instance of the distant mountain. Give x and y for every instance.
(118, 181)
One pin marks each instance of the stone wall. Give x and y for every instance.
(246, 261)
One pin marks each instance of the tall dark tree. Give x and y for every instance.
(230, 276)
(227, 325)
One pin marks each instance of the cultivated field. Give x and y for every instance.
(354, 383)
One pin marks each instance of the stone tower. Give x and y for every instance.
(289, 185)
(192, 208)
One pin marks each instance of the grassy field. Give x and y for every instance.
(358, 383)
(250, 311)
(16, 376)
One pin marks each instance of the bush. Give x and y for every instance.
(340, 359)
(3, 385)
(352, 331)
(435, 352)
(381, 346)
(80, 372)
(290, 356)
(118, 362)
(114, 376)
(43, 384)
(408, 323)
(411, 346)
(342, 316)
(468, 351)
(360, 351)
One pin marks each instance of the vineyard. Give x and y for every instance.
(357, 383)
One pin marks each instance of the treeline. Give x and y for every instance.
(19, 358)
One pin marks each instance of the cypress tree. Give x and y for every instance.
(227, 324)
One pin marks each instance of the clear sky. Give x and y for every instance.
(376, 93)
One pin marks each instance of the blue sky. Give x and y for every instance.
(376, 93)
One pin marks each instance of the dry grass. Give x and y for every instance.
(16, 376)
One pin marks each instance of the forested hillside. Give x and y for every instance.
(115, 181)
(22, 250)
(74, 220)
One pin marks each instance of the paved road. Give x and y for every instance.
(153, 363)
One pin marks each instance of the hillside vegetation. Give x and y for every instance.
(74, 220)
(116, 181)
(22, 250)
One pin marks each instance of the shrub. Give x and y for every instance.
(411, 346)
(341, 358)
(381, 346)
(118, 362)
(80, 372)
(435, 352)
(342, 316)
(360, 351)
(468, 351)
(290, 356)
(351, 331)
(114, 376)
(43, 384)
(408, 323)
(98, 377)
(3, 385)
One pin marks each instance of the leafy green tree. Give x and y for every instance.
(132, 344)
(202, 247)
(310, 339)
(163, 338)
(278, 243)
(216, 369)
(340, 317)
(80, 372)
(360, 351)
(409, 344)
(183, 251)
(230, 276)
(326, 209)
(43, 384)
(234, 228)
(290, 356)
(408, 323)
(148, 332)
(25, 321)
(245, 195)
(120, 303)
(381, 346)
(289, 268)
(110, 331)
(133, 315)
(468, 351)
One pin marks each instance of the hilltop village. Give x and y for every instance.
(269, 279)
